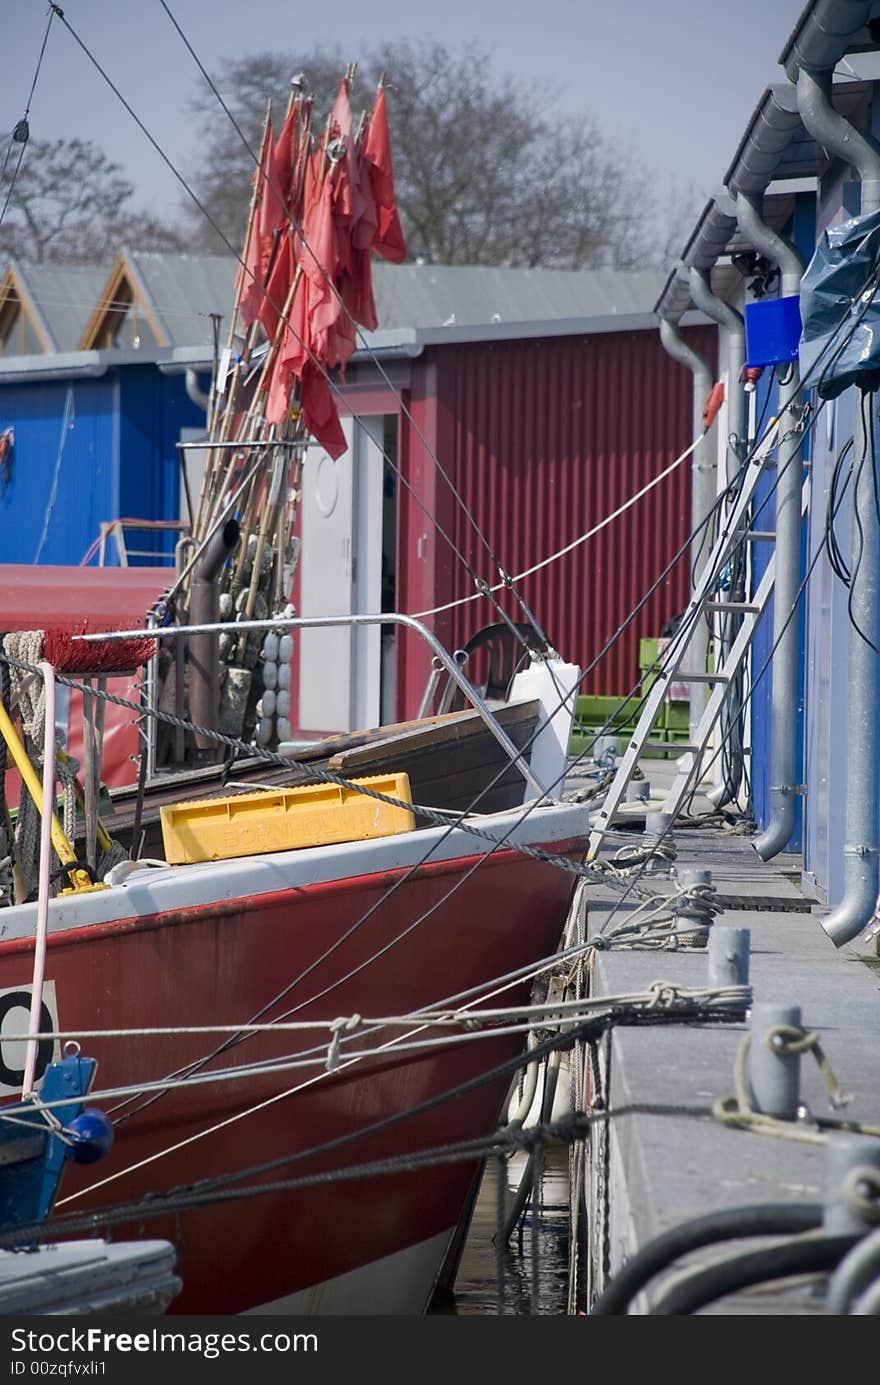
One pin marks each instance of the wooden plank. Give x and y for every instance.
(469, 726)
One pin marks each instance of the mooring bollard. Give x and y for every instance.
(638, 791)
(696, 907)
(774, 1073)
(850, 1205)
(729, 954)
(658, 834)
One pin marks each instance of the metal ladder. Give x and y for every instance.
(730, 534)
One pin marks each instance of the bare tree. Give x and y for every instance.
(69, 203)
(485, 173)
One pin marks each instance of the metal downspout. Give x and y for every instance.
(702, 498)
(861, 874)
(194, 390)
(783, 716)
(733, 326)
(731, 323)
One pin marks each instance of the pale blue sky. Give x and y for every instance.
(675, 81)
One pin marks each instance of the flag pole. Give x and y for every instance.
(215, 458)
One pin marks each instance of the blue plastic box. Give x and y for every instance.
(773, 330)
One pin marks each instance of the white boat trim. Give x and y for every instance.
(161, 889)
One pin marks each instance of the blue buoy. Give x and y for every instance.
(90, 1135)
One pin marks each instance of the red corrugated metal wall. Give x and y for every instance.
(544, 438)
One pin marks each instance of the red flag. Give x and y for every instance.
(278, 286)
(277, 400)
(388, 241)
(293, 349)
(319, 258)
(319, 412)
(286, 155)
(252, 291)
(340, 116)
(273, 212)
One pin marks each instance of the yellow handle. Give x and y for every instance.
(62, 846)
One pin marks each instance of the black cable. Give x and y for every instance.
(593, 1027)
(209, 1190)
(481, 585)
(812, 1255)
(21, 133)
(860, 530)
(728, 1224)
(233, 1040)
(836, 492)
(667, 830)
(479, 582)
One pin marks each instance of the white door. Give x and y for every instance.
(340, 574)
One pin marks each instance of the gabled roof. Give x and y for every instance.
(79, 310)
(56, 299)
(65, 295)
(180, 292)
(176, 293)
(15, 298)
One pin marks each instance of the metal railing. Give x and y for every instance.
(446, 660)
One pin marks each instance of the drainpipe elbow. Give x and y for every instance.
(194, 390)
(856, 909)
(780, 829)
(765, 240)
(837, 135)
(675, 346)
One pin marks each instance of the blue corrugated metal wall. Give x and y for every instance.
(153, 409)
(88, 450)
(63, 473)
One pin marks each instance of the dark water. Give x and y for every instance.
(530, 1276)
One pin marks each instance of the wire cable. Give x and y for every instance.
(21, 133)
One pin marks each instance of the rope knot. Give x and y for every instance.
(791, 1038)
(343, 1024)
(786, 1038)
(663, 995)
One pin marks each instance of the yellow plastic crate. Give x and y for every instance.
(249, 824)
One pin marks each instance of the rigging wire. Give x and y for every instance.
(116, 90)
(363, 919)
(298, 980)
(755, 682)
(594, 1026)
(333, 385)
(479, 582)
(21, 133)
(507, 582)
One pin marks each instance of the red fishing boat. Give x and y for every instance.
(353, 930)
(378, 928)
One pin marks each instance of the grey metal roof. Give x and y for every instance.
(184, 290)
(824, 32)
(417, 305)
(775, 144)
(427, 295)
(64, 297)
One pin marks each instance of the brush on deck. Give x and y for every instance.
(86, 660)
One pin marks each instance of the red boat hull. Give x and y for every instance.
(223, 962)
